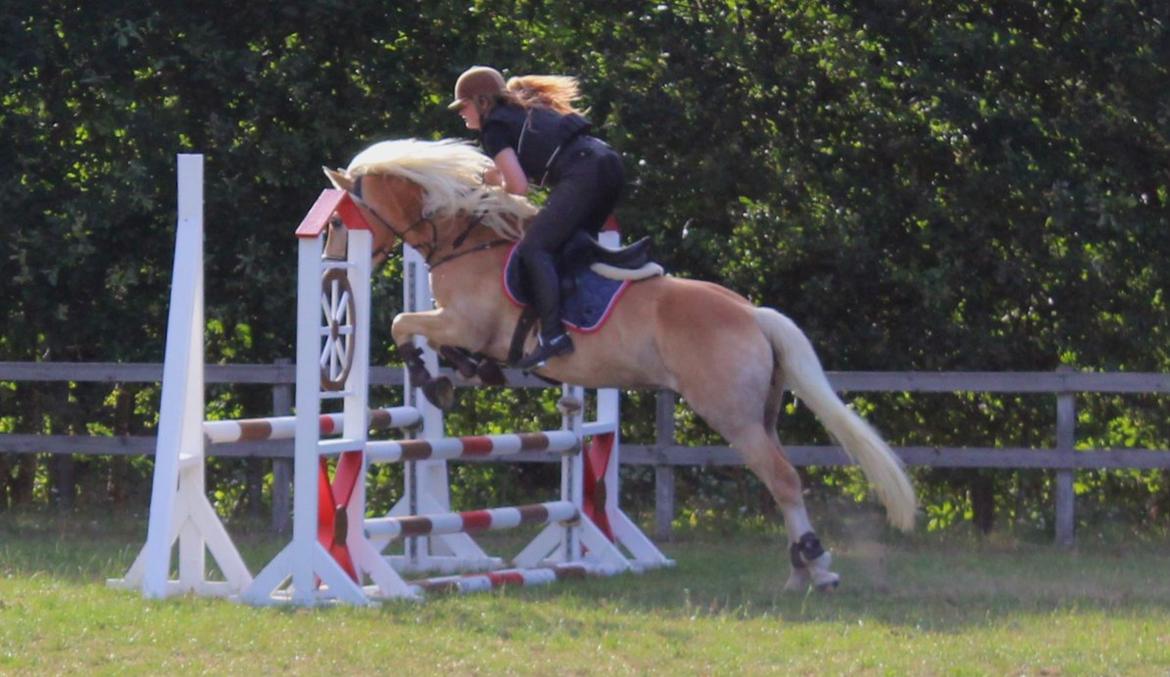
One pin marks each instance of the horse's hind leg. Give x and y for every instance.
(727, 371)
(745, 415)
(764, 456)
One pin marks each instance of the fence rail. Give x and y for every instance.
(282, 372)
(665, 453)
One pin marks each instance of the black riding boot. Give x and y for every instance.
(545, 287)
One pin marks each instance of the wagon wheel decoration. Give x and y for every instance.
(340, 312)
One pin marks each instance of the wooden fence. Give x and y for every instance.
(665, 454)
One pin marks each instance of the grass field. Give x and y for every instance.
(926, 604)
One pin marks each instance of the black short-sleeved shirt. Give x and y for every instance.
(501, 129)
(536, 134)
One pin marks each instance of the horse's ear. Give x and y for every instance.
(339, 179)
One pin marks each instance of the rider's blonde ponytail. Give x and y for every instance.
(557, 92)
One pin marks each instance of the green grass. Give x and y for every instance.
(926, 604)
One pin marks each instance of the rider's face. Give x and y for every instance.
(470, 115)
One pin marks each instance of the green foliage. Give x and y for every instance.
(952, 186)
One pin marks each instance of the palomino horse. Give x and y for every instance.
(729, 359)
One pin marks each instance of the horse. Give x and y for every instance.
(728, 359)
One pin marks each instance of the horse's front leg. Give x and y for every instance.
(441, 328)
(474, 365)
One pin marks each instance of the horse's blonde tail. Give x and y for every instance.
(803, 373)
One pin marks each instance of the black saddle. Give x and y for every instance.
(573, 261)
(582, 250)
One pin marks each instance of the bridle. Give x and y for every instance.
(432, 247)
(356, 193)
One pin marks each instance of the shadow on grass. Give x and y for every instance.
(939, 582)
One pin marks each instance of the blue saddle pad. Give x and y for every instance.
(585, 309)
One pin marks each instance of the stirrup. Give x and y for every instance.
(546, 350)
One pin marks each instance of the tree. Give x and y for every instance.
(920, 185)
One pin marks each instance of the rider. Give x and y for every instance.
(535, 136)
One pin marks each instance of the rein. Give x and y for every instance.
(432, 247)
(478, 248)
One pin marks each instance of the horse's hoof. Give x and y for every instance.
(490, 374)
(826, 581)
(440, 392)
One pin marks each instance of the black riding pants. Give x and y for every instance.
(588, 183)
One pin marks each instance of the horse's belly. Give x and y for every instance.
(608, 361)
(605, 378)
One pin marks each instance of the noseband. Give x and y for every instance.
(432, 247)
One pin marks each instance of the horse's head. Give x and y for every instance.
(426, 193)
(386, 202)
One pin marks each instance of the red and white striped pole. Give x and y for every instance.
(472, 521)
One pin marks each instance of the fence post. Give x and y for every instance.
(1065, 494)
(65, 480)
(663, 474)
(64, 472)
(254, 474)
(282, 468)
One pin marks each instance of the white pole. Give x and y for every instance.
(608, 402)
(356, 412)
(182, 390)
(308, 403)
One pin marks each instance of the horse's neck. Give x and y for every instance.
(463, 233)
(479, 232)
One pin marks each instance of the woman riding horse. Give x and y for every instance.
(730, 360)
(535, 136)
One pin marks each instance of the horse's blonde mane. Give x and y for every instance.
(450, 173)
